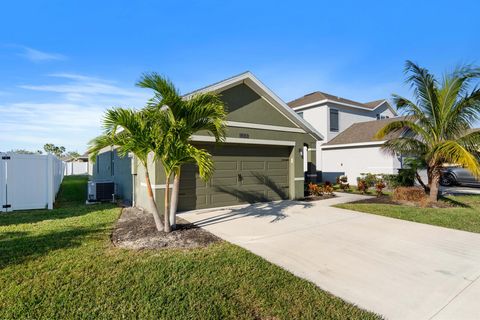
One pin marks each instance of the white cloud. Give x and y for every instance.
(39, 56)
(70, 117)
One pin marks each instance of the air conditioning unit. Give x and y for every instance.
(101, 191)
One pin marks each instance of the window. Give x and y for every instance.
(300, 114)
(97, 164)
(334, 120)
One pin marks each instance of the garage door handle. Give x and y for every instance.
(240, 178)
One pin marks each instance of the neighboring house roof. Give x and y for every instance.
(318, 97)
(364, 132)
(250, 80)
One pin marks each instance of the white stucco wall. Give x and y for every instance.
(354, 161)
(319, 117)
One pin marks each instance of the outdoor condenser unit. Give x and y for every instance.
(101, 191)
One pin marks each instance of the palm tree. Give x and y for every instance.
(178, 118)
(130, 131)
(438, 121)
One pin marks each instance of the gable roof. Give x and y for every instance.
(256, 85)
(363, 132)
(319, 97)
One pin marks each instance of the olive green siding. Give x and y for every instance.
(245, 105)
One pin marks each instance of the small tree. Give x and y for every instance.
(130, 131)
(439, 119)
(178, 118)
(56, 150)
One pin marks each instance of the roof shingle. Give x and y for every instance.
(364, 132)
(319, 96)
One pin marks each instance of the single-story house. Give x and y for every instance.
(262, 158)
(355, 151)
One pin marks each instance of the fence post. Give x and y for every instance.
(50, 183)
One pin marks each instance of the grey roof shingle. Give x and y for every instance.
(319, 96)
(364, 132)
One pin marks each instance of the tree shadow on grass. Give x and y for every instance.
(34, 216)
(19, 247)
(454, 202)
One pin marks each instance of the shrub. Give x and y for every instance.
(411, 194)
(342, 182)
(315, 189)
(404, 178)
(379, 186)
(362, 185)
(369, 178)
(328, 189)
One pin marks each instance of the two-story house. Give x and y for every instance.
(349, 127)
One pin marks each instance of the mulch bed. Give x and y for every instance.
(388, 200)
(135, 229)
(315, 198)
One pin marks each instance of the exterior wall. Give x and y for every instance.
(354, 161)
(244, 106)
(110, 166)
(348, 116)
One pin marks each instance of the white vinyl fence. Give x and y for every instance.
(76, 168)
(29, 181)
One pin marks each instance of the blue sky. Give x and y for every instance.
(62, 63)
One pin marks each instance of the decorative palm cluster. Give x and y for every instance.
(163, 128)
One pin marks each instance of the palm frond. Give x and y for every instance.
(453, 152)
(404, 146)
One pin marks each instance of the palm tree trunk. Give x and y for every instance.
(166, 216)
(153, 205)
(419, 179)
(434, 184)
(174, 199)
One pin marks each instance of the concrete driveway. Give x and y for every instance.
(399, 269)
(459, 190)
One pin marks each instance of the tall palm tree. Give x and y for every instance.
(438, 120)
(130, 131)
(178, 118)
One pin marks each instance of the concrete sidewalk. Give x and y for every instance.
(399, 269)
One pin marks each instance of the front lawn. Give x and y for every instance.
(60, 264)
(464, 216)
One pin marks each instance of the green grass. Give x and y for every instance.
(60, 264)
(465, 217)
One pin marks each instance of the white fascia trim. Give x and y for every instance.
(156, 186)
(263, 126)
(317, 103)
(299, 178)
(244, 141)
(249, 78)
(351, 145)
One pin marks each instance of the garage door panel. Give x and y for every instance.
(253, 165)
(223, 198)
(242, 174)
(272, 165)
(218, 182)
(225, 165)
(278, 180)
